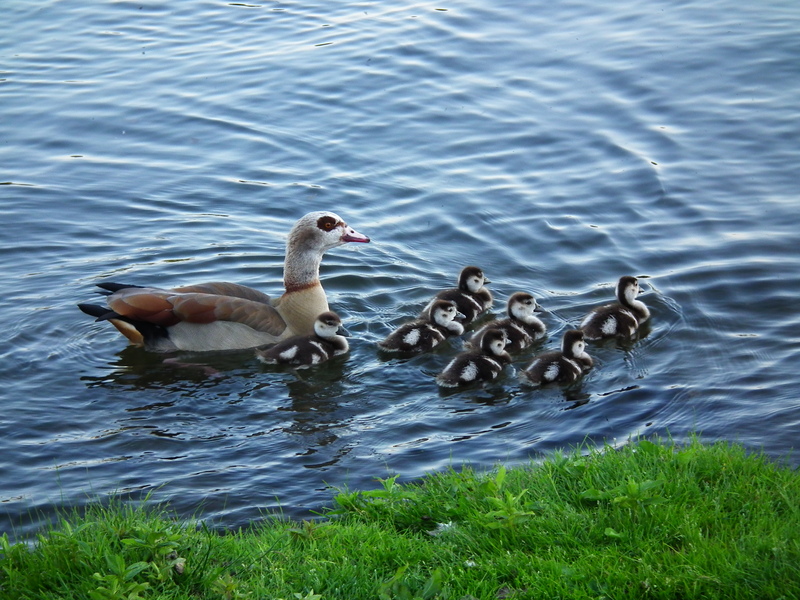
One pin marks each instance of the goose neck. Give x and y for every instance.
(301, 269)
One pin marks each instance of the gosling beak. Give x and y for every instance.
(342, 331)
(459, 316)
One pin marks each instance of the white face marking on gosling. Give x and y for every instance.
(494, 341)
(326, 329)
(570, 341)
(627, 289)
(631, 291)
(472, 279)
(498, 346)
(444, 314)
(474, 283)
(522, 308)
(578, 348)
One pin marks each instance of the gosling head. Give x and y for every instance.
(494, 342)
(521, 306)
(328, 324)
(472, 279)
(444, 313)
(573, 344)
(627, 289)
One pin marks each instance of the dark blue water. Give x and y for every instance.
(556, 145)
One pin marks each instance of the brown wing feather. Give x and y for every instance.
(204, 308)
(144, 304)
(223, 288)
(166, 308)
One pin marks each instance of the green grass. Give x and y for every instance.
(652, 520)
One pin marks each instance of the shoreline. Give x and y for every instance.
(647, 520)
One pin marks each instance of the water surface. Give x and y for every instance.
(558, 146)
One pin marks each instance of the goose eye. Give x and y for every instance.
(326, 223)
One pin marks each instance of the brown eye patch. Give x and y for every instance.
(326, 223)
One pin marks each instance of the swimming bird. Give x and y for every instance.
(522, 326)
(229, 316)
(471, 295)
(565, 366)
(621, 318)
(426, 333)
(483, 364)
(328, 340)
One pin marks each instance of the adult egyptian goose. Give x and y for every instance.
(621, 318)
(483, 364)
(563, 367)
(471, 296)
(522, 326)
(425, 334)
(229, 316)
(328, 340)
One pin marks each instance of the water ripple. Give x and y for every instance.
(167, 146)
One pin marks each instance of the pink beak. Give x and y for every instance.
(351, 235)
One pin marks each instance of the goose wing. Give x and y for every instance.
(223, 288)
(170, 307)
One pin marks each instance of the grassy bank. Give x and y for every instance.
(647, 521)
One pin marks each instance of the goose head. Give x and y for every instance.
(321, 231)
(313, 235)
